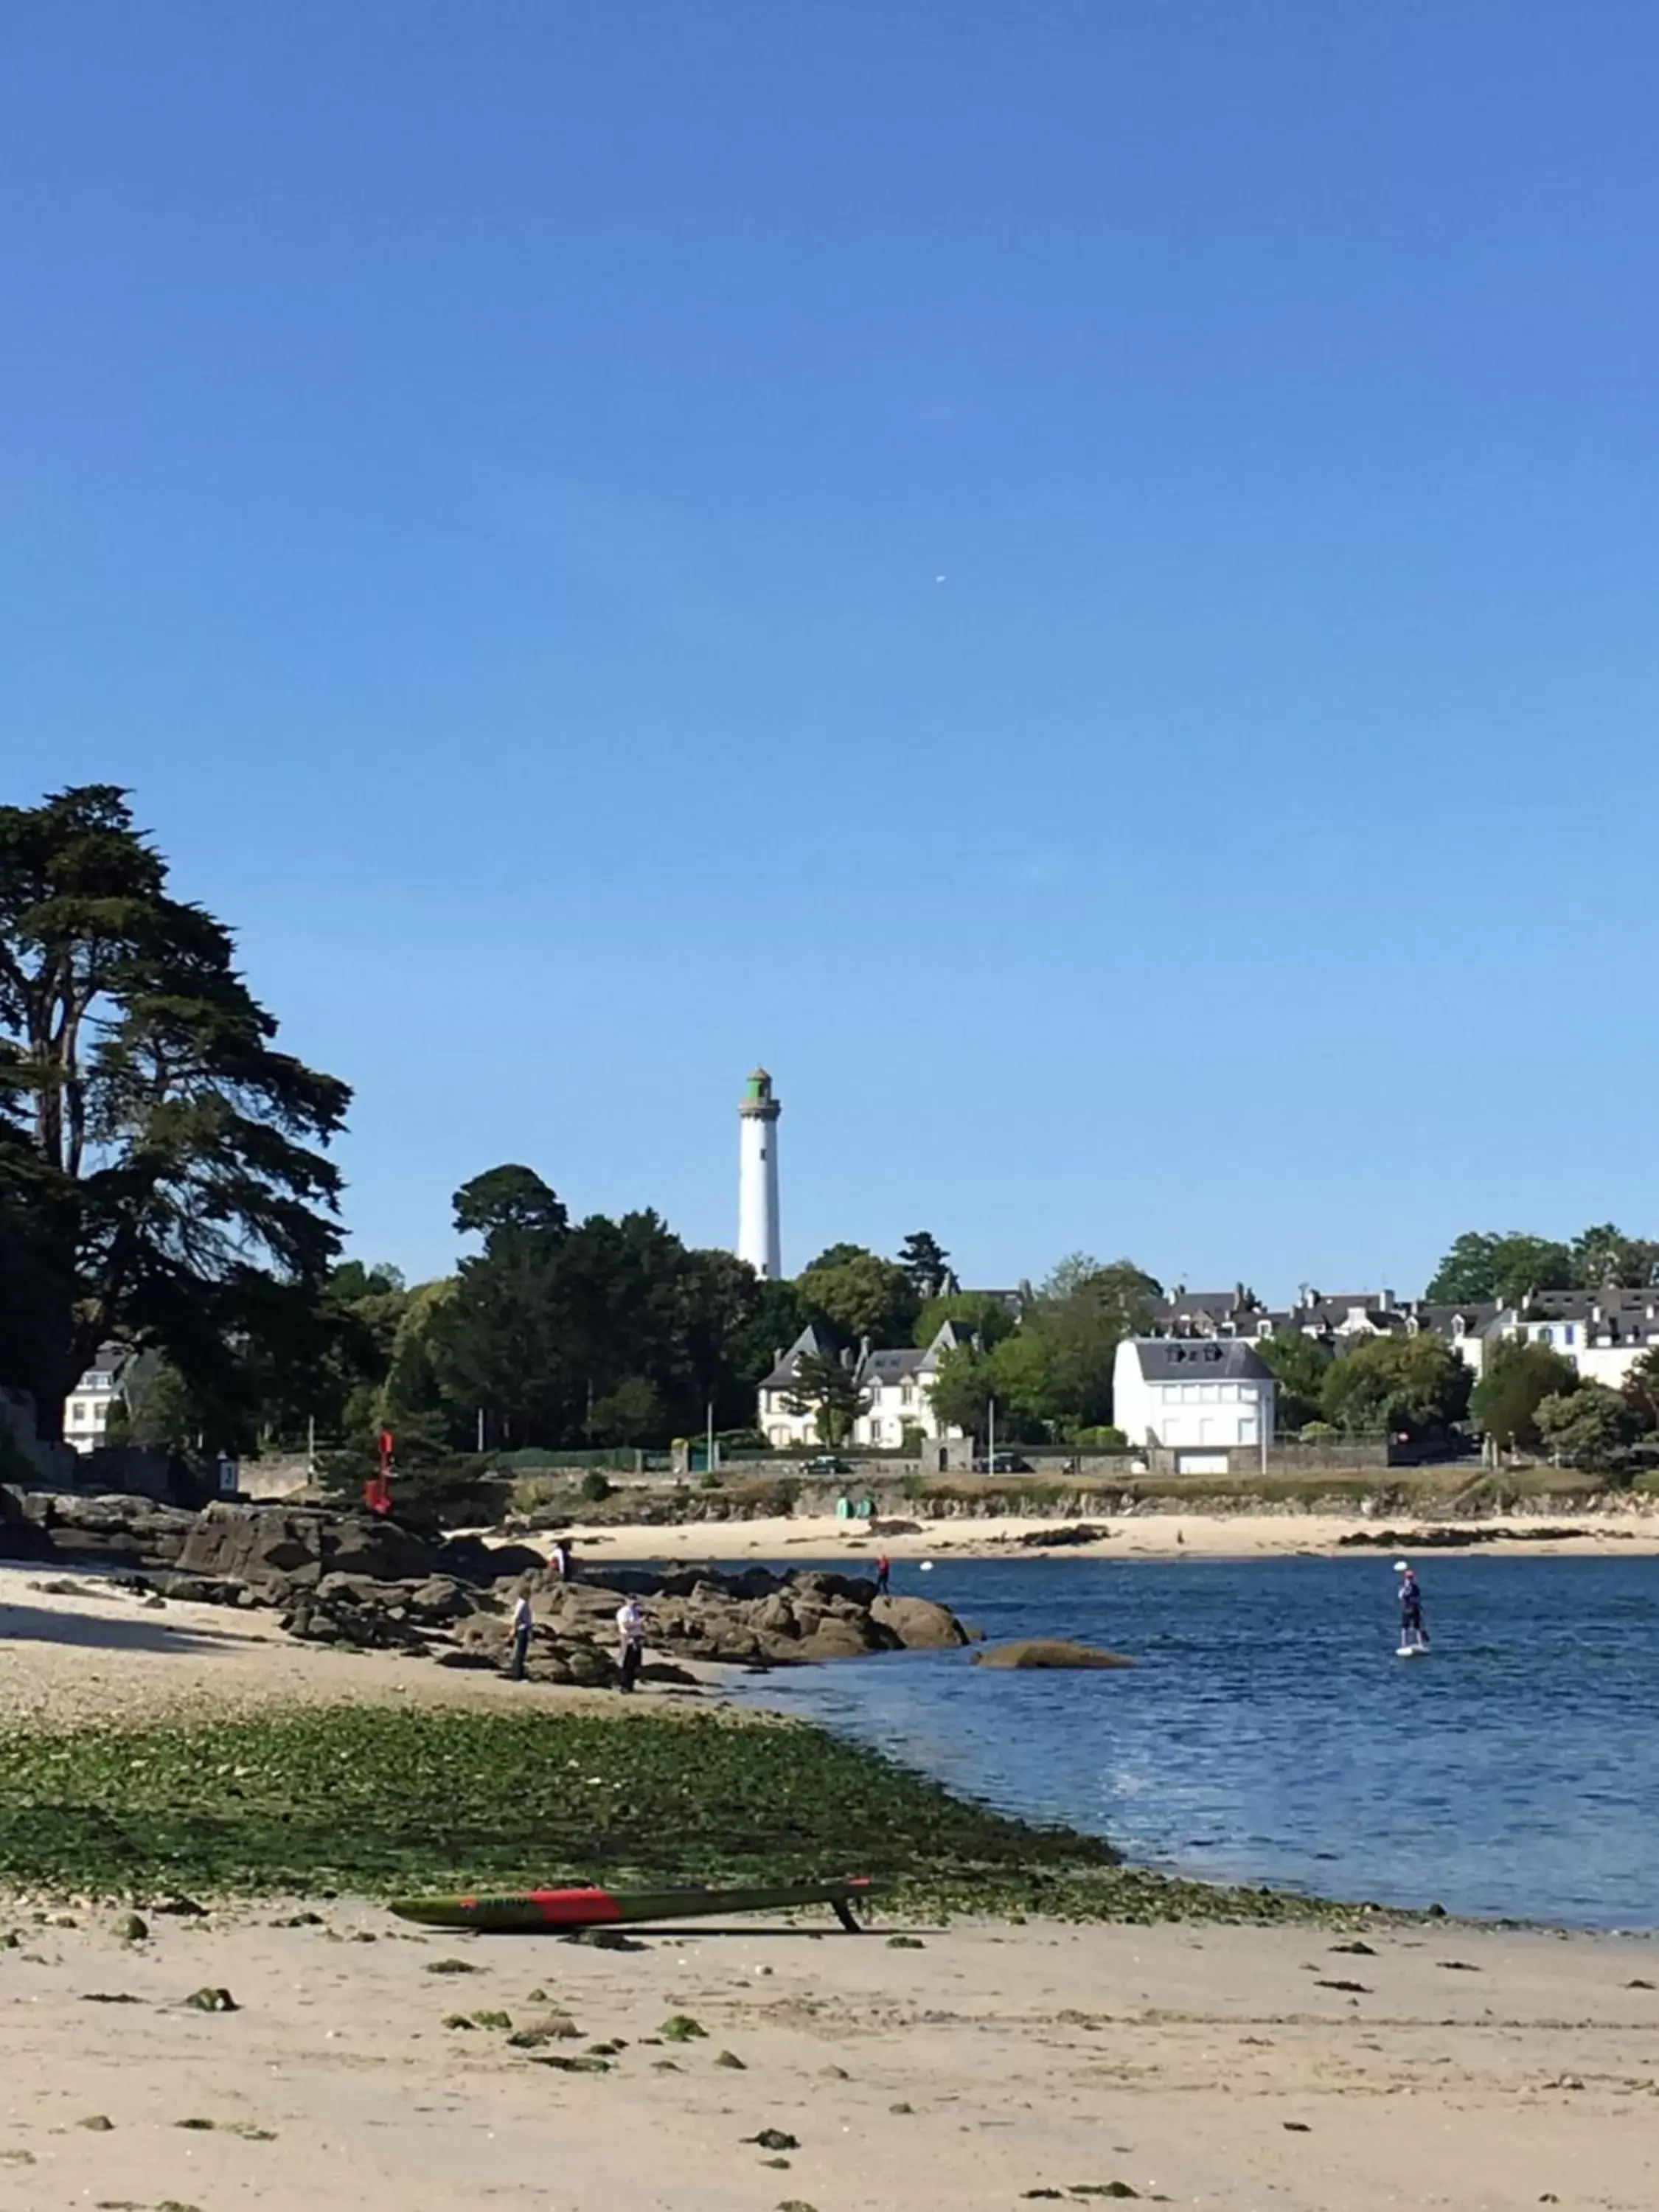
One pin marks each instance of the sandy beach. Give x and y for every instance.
(987, 2069)
(1133, 1536)
(1260, 2070)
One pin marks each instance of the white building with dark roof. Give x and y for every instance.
(896, 1385)
(1192, 1393)
(87, 1408)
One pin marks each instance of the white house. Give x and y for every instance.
(86, 1409)
(1186, 1392)
(896, 1385)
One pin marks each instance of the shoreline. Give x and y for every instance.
(1161, 1536)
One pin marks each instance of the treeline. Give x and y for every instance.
(165, 1183)
(553, 1334)
(1486, 1268)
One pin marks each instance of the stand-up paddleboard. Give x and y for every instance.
(1412, 1652)
(551, 1910)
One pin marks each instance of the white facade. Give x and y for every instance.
(87, 1408)
(1192, 1393)
(759, 1238)
(897, 1387)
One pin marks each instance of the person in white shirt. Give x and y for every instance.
(522, 1623)
(630, 1631)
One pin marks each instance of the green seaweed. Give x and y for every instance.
(366, 1801)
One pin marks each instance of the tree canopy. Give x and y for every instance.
(861, 1295)
(1591, 1426)
(162, 1162)
(1300, 1365)
(927, 1264)
(1411, 1386)
(1483, 1266)
(1517, 1378)
(981, 1313)
(1052, 1377)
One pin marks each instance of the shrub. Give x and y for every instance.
(595, 1487)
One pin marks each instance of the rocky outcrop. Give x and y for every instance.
(919, 1623)
(21, 1536)
(1048, 1651)
(128, 1531)
(297, 1546)
(752, 1618)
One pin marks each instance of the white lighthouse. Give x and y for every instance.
(757, 1178)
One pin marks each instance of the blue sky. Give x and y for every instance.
(1078, 578)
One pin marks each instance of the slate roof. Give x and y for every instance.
(1200, 1359)
(812, 1340)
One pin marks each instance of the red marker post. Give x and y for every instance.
(377, 1491)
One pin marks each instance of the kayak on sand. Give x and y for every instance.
(554, 1909)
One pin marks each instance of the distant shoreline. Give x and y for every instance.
(1165, 1536)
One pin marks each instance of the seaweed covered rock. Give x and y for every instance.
(1039, 1651)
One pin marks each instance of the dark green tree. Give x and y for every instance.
(862, 1295)
(1299, 1364)
(162, 1158)
(156, 1410)
(825, 1387)
(961, 1390)
(1591, 1426)
(979, 1312)
(1482, 1266)
(1605, 1256)
(1411, 1386)
(774, 1322)
(927, 1264)
(1517, 1378)
(1641, 1389)
(837, 1255)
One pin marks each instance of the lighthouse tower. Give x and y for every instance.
(757, 1178)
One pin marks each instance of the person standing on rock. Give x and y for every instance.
(883, 1575)
(630, 1633)
(562, 1558)
(522, 1623)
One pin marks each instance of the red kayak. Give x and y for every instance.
(586, 1907)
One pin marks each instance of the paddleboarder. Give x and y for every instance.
(1412, 1630)
(630, 1632)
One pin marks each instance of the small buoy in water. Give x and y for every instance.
(928, 1566)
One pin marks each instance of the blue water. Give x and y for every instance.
(1268, 1733)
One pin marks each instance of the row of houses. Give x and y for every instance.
(1601, 1333)
(1195, 1380)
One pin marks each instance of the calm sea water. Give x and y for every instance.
(1268, 1733)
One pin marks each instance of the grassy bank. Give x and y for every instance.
(364, 1800)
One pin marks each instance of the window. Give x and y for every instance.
(1566, 1333)
(906, 1396)
(1546, 1336)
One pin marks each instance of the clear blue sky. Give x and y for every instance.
(484, 475)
